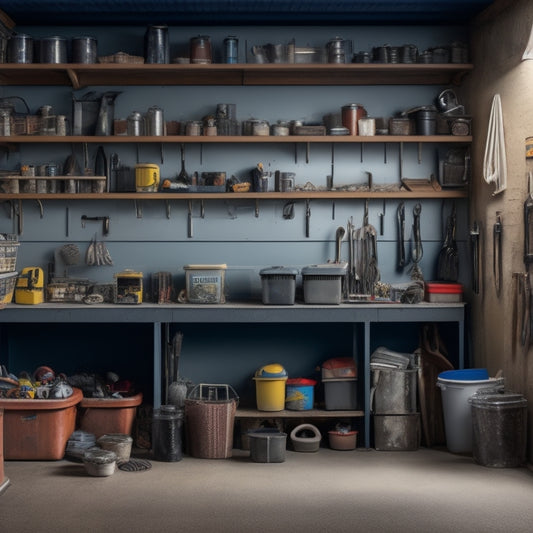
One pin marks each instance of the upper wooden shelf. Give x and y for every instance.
(238, 139)
(124, 74)
(293, 195)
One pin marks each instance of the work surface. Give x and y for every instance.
(233, 312)
(326, 491)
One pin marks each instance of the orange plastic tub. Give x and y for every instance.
(38, 429)
(102, 416)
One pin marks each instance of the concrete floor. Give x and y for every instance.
(429, 490)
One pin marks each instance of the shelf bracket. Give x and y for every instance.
(307, 151)
(73, 77)
(256, 208)
(167, 209)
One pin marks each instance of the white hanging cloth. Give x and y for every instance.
(495, 160)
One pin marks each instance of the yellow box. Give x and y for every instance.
(30, 286)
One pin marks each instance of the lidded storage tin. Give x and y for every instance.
(84, 49)
(351, 113)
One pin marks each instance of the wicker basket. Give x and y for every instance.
(8, 252)
(209, 420)
(121, 57)
(7, 287)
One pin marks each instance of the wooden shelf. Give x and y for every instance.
(172, 139)
(122, 74)
(296, 195)
(308, 413)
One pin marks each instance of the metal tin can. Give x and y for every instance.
(84, 49)
(20, 49)
(193, 127)
(156, 45)
(61, 125)
(155, 121)
(135, 124)
(5, 122)
(200, 50)
(351, 114)
(53, 50)
(231, 49)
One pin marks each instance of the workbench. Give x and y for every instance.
(360, 314)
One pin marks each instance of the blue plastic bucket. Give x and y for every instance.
(299, 395)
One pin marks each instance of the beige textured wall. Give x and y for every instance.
(499, 38)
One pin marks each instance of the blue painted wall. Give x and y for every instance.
(230, 232)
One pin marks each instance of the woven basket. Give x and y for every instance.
(121, 57)
(209, 421)
(8, 253)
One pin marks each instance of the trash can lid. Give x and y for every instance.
(274, 370)
(491, 398)
(279, 271)
(468, 374)
(303, 382)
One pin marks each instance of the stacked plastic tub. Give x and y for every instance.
(393, 401)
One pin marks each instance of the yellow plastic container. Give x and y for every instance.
(270, 381)
(147, 177)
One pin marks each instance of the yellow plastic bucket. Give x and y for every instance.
(147, 177)
(270, 383)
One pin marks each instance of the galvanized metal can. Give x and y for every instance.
(231, 49)
(84, 49)
(20, 49)
(156, 45)
(155, 121)
(200, 50)
(135, 125)
(53, 50)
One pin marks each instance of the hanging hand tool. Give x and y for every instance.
(382, 219)
(497, 235)
(105, 220)
(474, 244)
(400, 214)
(189, 220)
(417, 252)
(448, 259)
(307, 216)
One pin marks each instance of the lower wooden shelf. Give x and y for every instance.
(307, 413)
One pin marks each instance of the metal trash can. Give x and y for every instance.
(499, 424)
(209, 420)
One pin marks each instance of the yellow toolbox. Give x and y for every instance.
(29, 288)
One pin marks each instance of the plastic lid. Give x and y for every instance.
(205, 267)
(277, 270)
(301, 381)
(444, 288)
(339, 362)
(99, 456)
(274, 370)
(326, 269)
(469, 374)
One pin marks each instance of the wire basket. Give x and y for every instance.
(9, 246)
(7, 287)
(209, 419)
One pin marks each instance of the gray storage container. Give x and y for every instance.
(323, 283)
(267, 446)
(278, 285)
(499, 425)
(340, 393)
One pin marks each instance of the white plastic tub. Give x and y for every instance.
(457, 411)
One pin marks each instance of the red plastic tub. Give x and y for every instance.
(102, 416)
(38, 429)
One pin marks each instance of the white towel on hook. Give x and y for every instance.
(495, 160)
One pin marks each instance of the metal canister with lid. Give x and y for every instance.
(84, 49)
(135, 124)
(155, 123)
(200, 49)
(147, 177)
(231, 49)
(351, 113)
